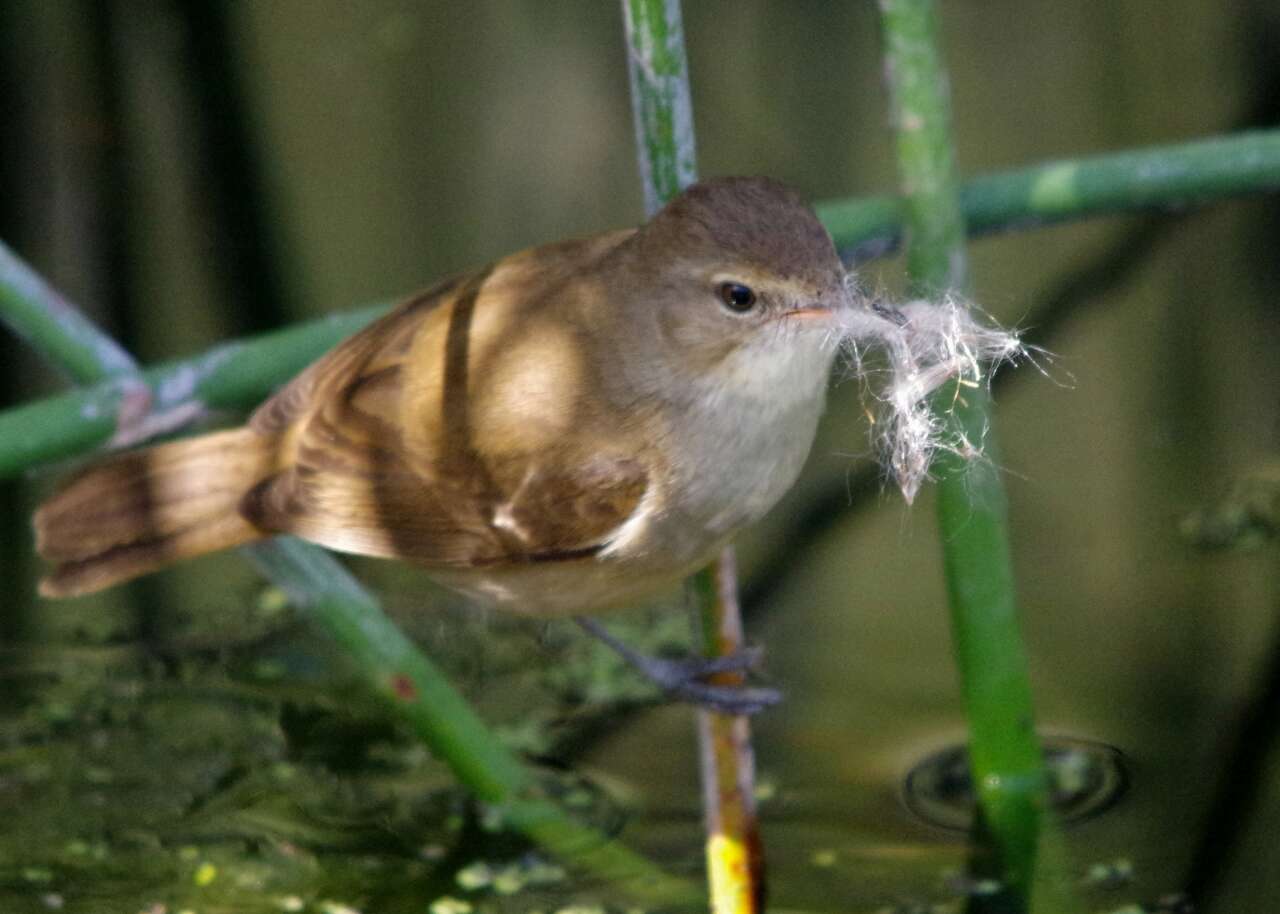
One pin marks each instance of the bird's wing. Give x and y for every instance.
(385, 341)
(380, 453)
(361, 501)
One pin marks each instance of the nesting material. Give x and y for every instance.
(926, 345)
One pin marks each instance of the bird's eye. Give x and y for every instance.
(737, 297)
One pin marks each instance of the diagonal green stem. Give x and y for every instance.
(420, 694)
(231, 376)
(56, 328)
(397, 670)
(1004, 751)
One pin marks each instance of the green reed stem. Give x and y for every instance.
(230, 376)
(55, 328)
(397, 670)
(668, 163)
(420, 694)
(1005, 756)
(660, 100)
(1162, 177)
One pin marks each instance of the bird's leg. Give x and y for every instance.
(682, 678)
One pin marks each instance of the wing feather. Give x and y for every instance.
(384, 341)
(353, 477)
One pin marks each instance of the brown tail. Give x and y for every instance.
(135, 513)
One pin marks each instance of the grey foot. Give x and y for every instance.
(683, 679)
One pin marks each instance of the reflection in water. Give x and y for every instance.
(1085, 779)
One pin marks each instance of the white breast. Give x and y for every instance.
(736, 445)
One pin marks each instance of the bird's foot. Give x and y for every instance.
(684, 679)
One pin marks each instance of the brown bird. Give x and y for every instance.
(566, 430)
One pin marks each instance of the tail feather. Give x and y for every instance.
(137, 512)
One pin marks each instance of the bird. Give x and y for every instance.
(566, 430)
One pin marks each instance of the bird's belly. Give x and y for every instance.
(730, 478)
(563, 588)
(742, 470)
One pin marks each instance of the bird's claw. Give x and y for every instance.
(683, 678)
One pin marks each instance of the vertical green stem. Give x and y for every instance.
(665, 149)
(1004, 752)
(660, 99)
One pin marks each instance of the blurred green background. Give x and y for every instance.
(192, 171)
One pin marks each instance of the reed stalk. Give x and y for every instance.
(665, 149)
(1004, 751)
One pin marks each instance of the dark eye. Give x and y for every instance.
(737, 297)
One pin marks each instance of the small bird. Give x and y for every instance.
(566, 430)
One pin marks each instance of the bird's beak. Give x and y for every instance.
(810, 312)
(819, 305)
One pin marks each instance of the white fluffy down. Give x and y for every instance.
(926, 344)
